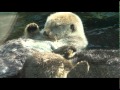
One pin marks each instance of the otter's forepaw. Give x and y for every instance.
(84, 65)
(32, 27)
(69, 52)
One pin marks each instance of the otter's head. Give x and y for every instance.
(31, 30)
(62, 24)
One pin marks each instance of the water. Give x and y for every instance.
(101, 28)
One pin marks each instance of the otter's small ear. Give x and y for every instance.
(72, 27)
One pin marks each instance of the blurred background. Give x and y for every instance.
(101, 28)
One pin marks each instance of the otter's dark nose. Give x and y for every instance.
(45, 33)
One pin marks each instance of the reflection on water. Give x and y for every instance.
(101, 28)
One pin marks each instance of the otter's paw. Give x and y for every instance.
(80, 70)
(85, 65)
(69, 52)
(32, 28)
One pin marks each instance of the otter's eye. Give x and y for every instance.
(72, 27)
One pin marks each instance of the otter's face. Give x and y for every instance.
(62, 24)
(56, 31)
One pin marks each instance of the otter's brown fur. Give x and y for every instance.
(46, 65)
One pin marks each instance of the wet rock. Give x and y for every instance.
(101, 38)
(12, 58)
(101, 28)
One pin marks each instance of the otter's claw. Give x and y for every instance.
(69, 52)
